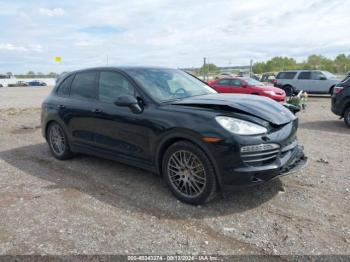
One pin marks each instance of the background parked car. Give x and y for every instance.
(341, 100)
(246, 85)
(311, 81)
(268, 78)
(36, 83)
(18, 83)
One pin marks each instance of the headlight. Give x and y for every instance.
(269, 92)
(240, 127)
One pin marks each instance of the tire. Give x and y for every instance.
(58, 142)
(189, 173)
(347, 116)
(288, 89)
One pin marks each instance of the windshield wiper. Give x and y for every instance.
(171, 100)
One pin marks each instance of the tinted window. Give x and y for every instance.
(345, 81)
(63, 89)
(235, 82)
(317, 75)
(112, 85)
(84, 85)
(286, 75)
(304, 75)
(224, 82)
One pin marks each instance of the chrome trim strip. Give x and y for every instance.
(259, 160)
(261, 147)
(260, 154)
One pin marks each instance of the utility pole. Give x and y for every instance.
(251, 68)
(106, 59)
(204, 64)
(208, 73)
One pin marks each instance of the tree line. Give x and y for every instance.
(341, 64)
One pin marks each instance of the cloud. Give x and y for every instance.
(103, 29)
(26, 48)
(52, 12)
(168, 33)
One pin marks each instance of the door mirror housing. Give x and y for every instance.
(323, 78)
(129, 101)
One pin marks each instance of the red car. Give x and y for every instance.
(246, 85)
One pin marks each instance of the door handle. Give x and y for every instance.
(96, 110)
(60, 106)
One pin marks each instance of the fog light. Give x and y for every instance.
(257, 148)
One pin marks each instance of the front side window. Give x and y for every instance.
(235, 82)
(317, 75)
(112, 85)
(169, 84)
(83, 85)
(63, 89)
(305, 75)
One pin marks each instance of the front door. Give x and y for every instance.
(237, 86)
(116, 128)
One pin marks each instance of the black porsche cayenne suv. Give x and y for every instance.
(341, 100)
(169, 122)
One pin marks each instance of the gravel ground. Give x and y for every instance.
(94, 206)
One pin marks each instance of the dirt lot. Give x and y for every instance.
(89, 205)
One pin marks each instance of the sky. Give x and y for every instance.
(171, 33)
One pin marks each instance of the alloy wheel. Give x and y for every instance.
(57, 140)
(186, 173)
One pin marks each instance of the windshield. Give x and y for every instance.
(253, 82)
(169, 84)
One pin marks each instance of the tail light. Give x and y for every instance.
(338, 89)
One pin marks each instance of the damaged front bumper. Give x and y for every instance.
(288, 161)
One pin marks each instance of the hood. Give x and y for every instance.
(258, 106)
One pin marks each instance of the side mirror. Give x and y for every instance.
(129, 101)
(323, 78)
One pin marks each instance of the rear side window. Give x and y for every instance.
(286, 75)
(224, 82)
(63, 89)
(83, 85)
(304, 75)
(112, 85)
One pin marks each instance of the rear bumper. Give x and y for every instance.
(337, 106)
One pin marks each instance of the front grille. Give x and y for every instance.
(258, 155)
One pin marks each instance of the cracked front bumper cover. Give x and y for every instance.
(294, 161)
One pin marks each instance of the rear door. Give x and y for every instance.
(223, 85)
(304, 81)
(77, 112)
